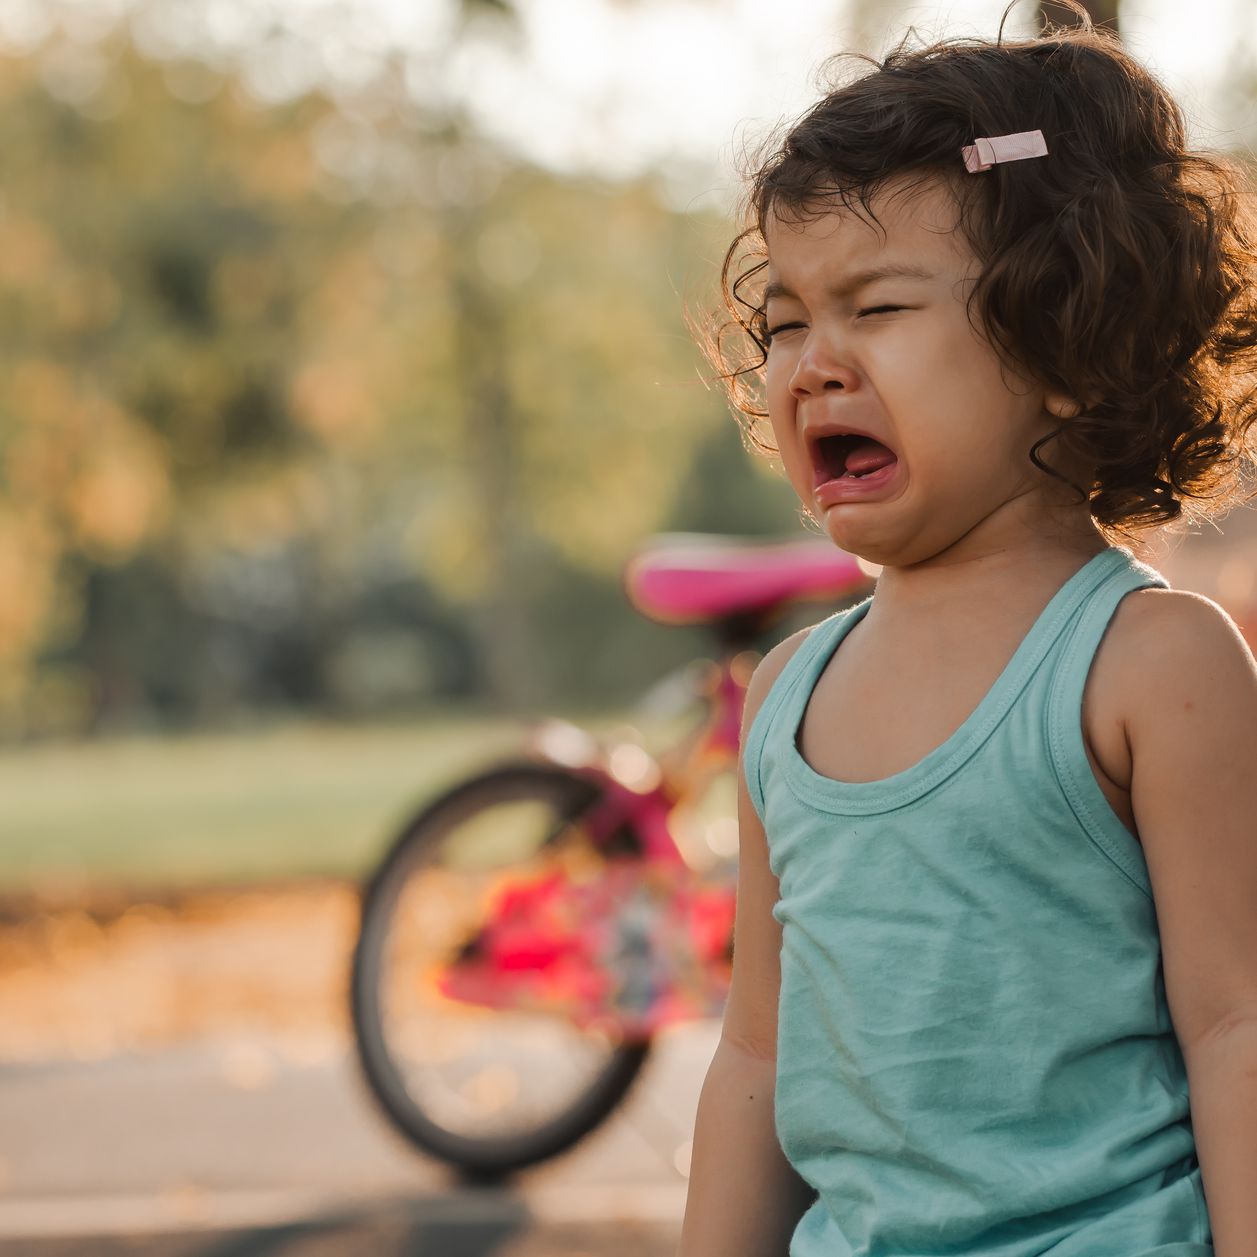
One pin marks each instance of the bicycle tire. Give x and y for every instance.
(477, 1158)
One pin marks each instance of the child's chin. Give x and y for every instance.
(849, 537)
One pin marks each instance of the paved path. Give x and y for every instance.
(236, 1147)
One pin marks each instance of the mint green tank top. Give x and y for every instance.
(975, 1055)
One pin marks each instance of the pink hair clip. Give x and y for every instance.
(986, 150)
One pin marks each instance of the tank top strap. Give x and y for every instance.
(1072, 666)
(800, 665)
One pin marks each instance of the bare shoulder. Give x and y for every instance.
(769, 668)
(1191, 688)
(1174, 647)
(1159, 622)
(750, 1015)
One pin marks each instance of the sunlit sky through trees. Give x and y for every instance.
(614, 86)
(329, 385)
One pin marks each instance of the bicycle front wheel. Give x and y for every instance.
(470, 1055)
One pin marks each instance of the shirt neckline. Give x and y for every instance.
(831, 794)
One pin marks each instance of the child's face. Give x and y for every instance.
(918, 378)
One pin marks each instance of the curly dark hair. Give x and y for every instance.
(1118, 270)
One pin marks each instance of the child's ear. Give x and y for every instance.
(1063, 406)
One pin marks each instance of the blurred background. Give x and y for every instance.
(344, 364)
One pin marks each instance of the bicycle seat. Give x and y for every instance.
(692, 578)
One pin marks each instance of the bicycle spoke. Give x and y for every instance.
(475, 1058)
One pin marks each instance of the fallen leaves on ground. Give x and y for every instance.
(100, 976)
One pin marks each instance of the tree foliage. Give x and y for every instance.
(267, 363)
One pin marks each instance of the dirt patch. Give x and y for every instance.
(113, 973)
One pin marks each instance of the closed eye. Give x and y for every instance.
(770, 332)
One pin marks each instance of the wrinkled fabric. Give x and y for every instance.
(975, 1054)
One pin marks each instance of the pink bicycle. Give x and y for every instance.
(534, 927)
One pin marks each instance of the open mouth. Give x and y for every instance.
(848, 456)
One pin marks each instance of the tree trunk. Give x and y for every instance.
(501, 619)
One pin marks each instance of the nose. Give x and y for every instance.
(817, 371)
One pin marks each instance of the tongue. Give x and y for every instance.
(869, 455)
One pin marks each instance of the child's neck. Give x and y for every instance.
(986, 572)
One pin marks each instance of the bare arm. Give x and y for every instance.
(745, 1198)
(1194, 796)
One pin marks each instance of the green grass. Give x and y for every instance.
(288, 801)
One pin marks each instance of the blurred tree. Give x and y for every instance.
(471, 9)
(263, 361)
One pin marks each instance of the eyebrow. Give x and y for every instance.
(889, 270)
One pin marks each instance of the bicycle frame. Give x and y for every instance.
(642, 791)
(607, 916)
(682, 921)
